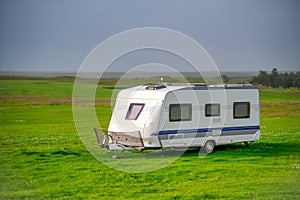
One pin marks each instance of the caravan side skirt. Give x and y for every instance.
(198, 137)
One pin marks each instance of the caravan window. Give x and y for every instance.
(241, 110)
(180, 112)
(212, 110)
(134, 111)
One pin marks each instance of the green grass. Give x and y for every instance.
(270, 94)
(42, 156)
(45, 89)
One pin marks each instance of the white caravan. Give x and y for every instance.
(193, 115)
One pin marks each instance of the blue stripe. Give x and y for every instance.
(201, 130)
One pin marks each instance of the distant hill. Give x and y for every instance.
(233, 76)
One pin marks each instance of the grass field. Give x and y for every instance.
(42, 156)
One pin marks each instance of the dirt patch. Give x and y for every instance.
(280, 108)
(34, 100)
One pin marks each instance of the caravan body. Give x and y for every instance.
(185, 116)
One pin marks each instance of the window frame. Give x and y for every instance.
(248, 109)
(181, 119)
(212, 104)
(130, 110)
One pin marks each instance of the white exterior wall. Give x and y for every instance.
(199, 98)
(155, 114)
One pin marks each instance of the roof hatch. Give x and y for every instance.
(155, 87)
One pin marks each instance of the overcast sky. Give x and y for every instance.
(240, 35)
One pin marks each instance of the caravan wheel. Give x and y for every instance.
(208, 147)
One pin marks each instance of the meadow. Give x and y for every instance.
(42, 157)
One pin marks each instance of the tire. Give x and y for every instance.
(208, 147)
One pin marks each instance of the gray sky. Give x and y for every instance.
(240, 35)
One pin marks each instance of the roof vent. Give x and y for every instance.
(155, 87)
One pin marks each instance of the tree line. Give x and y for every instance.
(275, 79)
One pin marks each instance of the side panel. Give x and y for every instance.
(224, 129)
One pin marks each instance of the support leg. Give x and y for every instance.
(247, 143)
(115, 155)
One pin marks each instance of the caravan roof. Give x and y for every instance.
(160, 91)
(141, 92)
